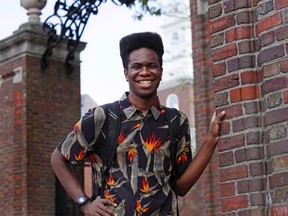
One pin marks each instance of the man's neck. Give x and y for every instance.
(142, 104)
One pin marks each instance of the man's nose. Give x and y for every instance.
(145, 70)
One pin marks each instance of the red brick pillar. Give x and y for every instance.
(249, 50)
(205, 194)
(37, 109)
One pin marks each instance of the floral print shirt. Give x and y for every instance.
(139, 178)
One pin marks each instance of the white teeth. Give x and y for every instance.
(145, 82)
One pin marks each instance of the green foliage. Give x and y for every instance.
(142, 7)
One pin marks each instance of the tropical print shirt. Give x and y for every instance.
(139, 178)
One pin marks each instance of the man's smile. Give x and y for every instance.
(145, 81)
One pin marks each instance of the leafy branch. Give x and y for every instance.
(143, 7)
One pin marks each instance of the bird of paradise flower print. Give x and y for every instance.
(141, 209)
(145, 186)
(183, 157)
(109, 196)
(80, 156)
(136, 126)
(121, 137)
(110, 180)
(92, 158)
(162, 111)
(131, 154)
(153, 143)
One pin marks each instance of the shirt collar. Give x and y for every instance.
(129, 109)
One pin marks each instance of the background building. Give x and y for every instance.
(176, 89)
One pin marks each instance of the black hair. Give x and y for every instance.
(135, 41)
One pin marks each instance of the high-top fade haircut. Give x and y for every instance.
(139, 40)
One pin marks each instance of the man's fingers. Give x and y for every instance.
(103, 206)
(216, 119)
(106, 202)
(109, 202)
(219, 116)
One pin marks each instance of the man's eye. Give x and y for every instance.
(136, 66)
(153, 66)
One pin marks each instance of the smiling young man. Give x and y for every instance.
(139, 180)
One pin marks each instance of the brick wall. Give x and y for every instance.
(206, 190)
(53, 106)
(37, 110)
(12, 137)
(248, 41)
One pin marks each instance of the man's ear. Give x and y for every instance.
(126, 74)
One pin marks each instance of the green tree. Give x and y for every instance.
(142, 7)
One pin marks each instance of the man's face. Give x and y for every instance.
(143, 73)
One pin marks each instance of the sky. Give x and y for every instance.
(102, 74)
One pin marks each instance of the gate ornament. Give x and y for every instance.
(69, 21)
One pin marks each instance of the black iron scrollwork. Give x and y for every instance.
(69, 21)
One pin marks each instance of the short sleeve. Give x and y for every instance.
(184, 151)
(81, 140)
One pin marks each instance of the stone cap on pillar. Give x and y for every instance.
(33, 8)
(34, 24)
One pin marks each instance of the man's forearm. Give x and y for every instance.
(201, 160)
(196, 167)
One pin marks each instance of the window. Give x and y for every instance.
(172, 101)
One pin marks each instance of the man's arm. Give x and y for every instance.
(69, 181)
(66, 175)
(204, 154)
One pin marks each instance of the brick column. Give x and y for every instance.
(249, 50)
(271, 31)
(205, 194)
(37, 110)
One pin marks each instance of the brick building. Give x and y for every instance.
(240, 65)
